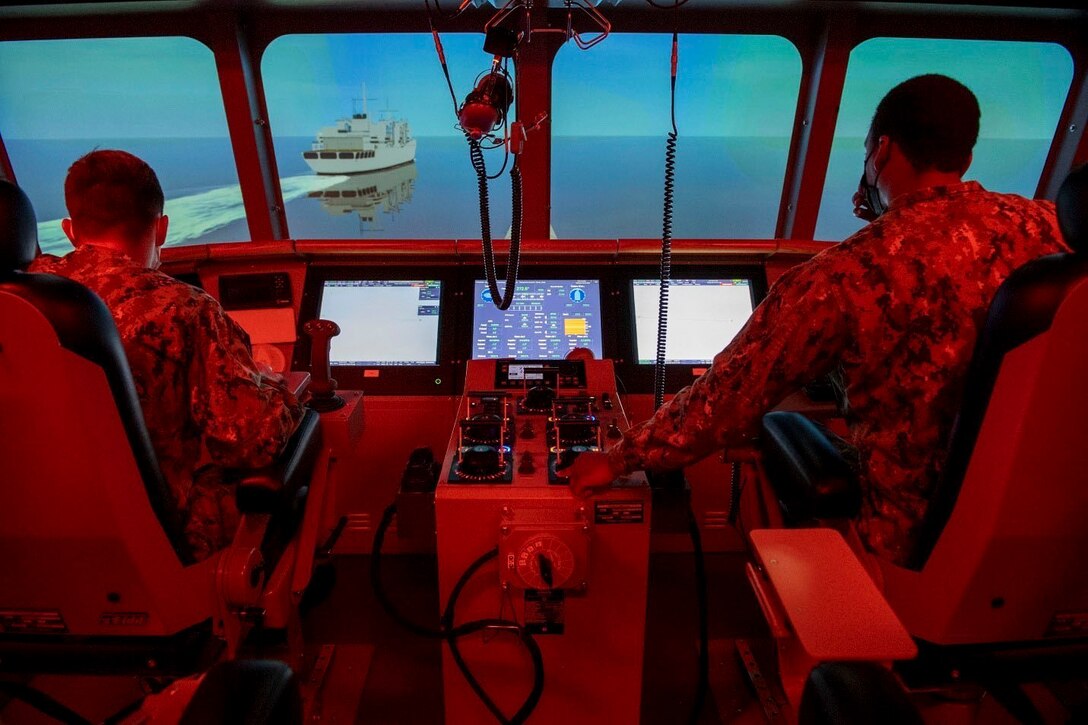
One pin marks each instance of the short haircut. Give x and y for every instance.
(933, 119)
(112, 192)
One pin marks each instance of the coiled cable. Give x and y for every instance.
(502, 300)
(666, 242)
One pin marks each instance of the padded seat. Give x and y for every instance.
(998, 560)
(97, 575)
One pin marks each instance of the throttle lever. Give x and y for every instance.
(323, 397)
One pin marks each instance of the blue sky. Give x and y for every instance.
(744, 86)
(728, 85)
(1020, 86)
(111, 88)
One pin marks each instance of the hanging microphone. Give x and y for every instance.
(486, 105)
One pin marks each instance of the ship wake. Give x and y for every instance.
(194, 216)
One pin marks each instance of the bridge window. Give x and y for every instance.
(420, 185)
(158, 98)
(1020, 86)
(736, 97)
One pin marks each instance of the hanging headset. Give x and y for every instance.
(485, 110)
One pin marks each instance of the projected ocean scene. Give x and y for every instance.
(736, 100)
(310, 80)
(1020, 107)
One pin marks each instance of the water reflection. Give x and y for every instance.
(367, 194)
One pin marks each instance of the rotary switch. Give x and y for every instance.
(545, 562)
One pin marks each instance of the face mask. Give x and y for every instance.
(870, 192)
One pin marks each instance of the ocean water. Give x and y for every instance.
(601, 188)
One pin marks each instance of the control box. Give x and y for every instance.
(571, 572)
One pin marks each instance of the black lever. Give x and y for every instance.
(323, 397)
(545, 565)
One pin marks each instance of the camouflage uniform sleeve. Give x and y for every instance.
(793, 337)
(244, 416)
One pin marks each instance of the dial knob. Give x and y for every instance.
(545, 562)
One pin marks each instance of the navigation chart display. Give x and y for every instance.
(704, 316)
(546, 320)
(383, 322)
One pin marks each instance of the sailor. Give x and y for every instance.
(204, 400)
(894, 309)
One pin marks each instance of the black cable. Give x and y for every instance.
(505, 122)
(376, 581)
(476, 156)
(659, 6)
(455, 651)
(501, 300)
(443, 14)
(734, 492)
(537, 690)
(441, 56)
(703, 685)
(42, 703)
(666, 241)
(659, 377)
(450, 633)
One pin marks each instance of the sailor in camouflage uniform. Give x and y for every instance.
(205, 403)
(895, 309)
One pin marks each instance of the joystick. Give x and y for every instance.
(539, 398)
(323, 397)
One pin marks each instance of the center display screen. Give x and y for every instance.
(546, 320)
(383, 322)
(704, 316)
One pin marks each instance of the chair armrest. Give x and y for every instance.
(809, 475)
(262, 490)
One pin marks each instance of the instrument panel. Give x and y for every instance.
(409, 330)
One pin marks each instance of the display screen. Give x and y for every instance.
(546, 320)
(383, 322)
(704, 316)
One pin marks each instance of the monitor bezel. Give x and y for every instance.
(437, 379)
(639, 377)
(605, 289)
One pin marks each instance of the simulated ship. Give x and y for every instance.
(359, 145)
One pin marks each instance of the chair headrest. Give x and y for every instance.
(18, 228)
(1073, 209)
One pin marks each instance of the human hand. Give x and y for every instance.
(590, 473)
(862, 210)
(268, 375)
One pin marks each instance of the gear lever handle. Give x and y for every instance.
(323, 397)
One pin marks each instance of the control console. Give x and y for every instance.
(571, 572)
